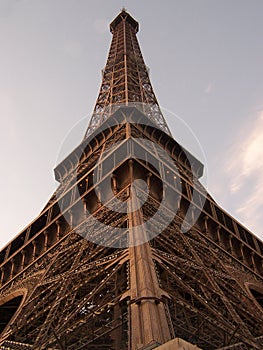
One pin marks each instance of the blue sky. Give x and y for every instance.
(205, 59)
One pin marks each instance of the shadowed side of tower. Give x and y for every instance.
(108, 263)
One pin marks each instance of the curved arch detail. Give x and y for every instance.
(10, 306)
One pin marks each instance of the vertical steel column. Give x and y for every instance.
(149, 324)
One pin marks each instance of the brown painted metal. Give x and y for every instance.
(59, 290)
(125, 77)
(149, 322)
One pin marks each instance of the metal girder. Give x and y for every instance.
(80, 288)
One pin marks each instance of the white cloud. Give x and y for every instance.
(209, 88)
(245, 169)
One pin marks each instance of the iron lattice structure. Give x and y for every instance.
(125, 77)
(68, 281)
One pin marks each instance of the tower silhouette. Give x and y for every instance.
(131, 252)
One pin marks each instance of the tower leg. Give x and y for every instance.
(149, 321)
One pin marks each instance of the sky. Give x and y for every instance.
(205, 59)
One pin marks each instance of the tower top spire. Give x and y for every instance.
(125, 77)
(124, 16)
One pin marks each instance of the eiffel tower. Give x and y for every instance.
(131, 252)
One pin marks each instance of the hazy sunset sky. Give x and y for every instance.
(206, 66)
